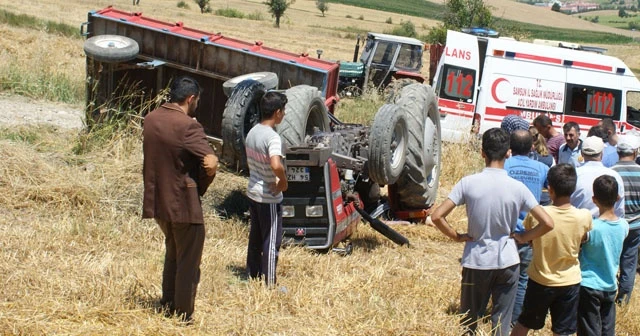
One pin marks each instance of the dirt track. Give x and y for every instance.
(19, 110)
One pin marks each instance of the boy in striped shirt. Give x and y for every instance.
(267, 181)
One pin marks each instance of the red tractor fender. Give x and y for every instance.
(406, 74)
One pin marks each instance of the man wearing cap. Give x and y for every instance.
(630, 172)
(592, 168)
(571, 151)
(513, 122)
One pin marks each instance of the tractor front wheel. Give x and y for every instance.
(387, 144)
(417, 187)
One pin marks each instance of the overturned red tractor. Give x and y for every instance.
(335, 169)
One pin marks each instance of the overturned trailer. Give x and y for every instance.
(168, 49)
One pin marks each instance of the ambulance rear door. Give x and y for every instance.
(456, 85)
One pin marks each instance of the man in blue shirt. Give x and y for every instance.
(534, 175)
(609, 153)
(610, 156)
(570, 151)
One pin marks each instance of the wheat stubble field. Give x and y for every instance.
(76, 259)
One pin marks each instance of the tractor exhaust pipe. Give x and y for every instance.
(355, 52)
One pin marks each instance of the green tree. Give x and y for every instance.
(204, 6)
(622, 13)
(461, 14)
(555, 7)
(322, 6)
(277, 8)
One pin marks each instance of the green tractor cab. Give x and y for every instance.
(384, 58)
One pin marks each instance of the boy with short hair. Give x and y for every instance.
(267, 181)
(554, 274)
(599, 260)
(490, 262)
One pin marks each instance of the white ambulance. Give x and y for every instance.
(480, 80)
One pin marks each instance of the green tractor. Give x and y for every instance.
(385, 57)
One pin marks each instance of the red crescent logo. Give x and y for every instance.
(494, 87)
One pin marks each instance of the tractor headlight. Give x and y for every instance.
(313, 210)
(288, 211)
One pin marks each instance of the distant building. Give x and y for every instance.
(577, 7)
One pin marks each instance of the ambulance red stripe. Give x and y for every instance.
(538, 58)
(455, 105)
(592, 66)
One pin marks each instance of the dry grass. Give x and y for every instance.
(75, 257)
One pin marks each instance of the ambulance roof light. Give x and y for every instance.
(498, 53)
(510, 54)
(620, 71)
(567, 63)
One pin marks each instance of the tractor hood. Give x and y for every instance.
(351, 69)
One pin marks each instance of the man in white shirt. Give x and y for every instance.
(592, 168)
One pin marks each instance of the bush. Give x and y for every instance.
(349, 16)
(361, 17)
(229, 12)
(182, 4)
(406, 28)
(31, 22)
(389, 21)
(256, 15)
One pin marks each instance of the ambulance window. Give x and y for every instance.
(458, 83)
(633, 108)
(593, 102)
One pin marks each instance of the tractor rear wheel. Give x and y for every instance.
(417, 187)
(240, 114)
(305, 110)
(392, 91)
(387, 144)
(268, 79)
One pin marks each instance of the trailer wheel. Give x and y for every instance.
(392, 91)
(418, 185)
(240, 114)
(111, 48)
(387, 144)
(305, 110)
(268, 79)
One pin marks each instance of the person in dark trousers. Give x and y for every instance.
(627, 148)
(178, 167)
(490, 262)
(532, 174)
(267, 181)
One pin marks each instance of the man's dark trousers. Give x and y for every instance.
(184, 243)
